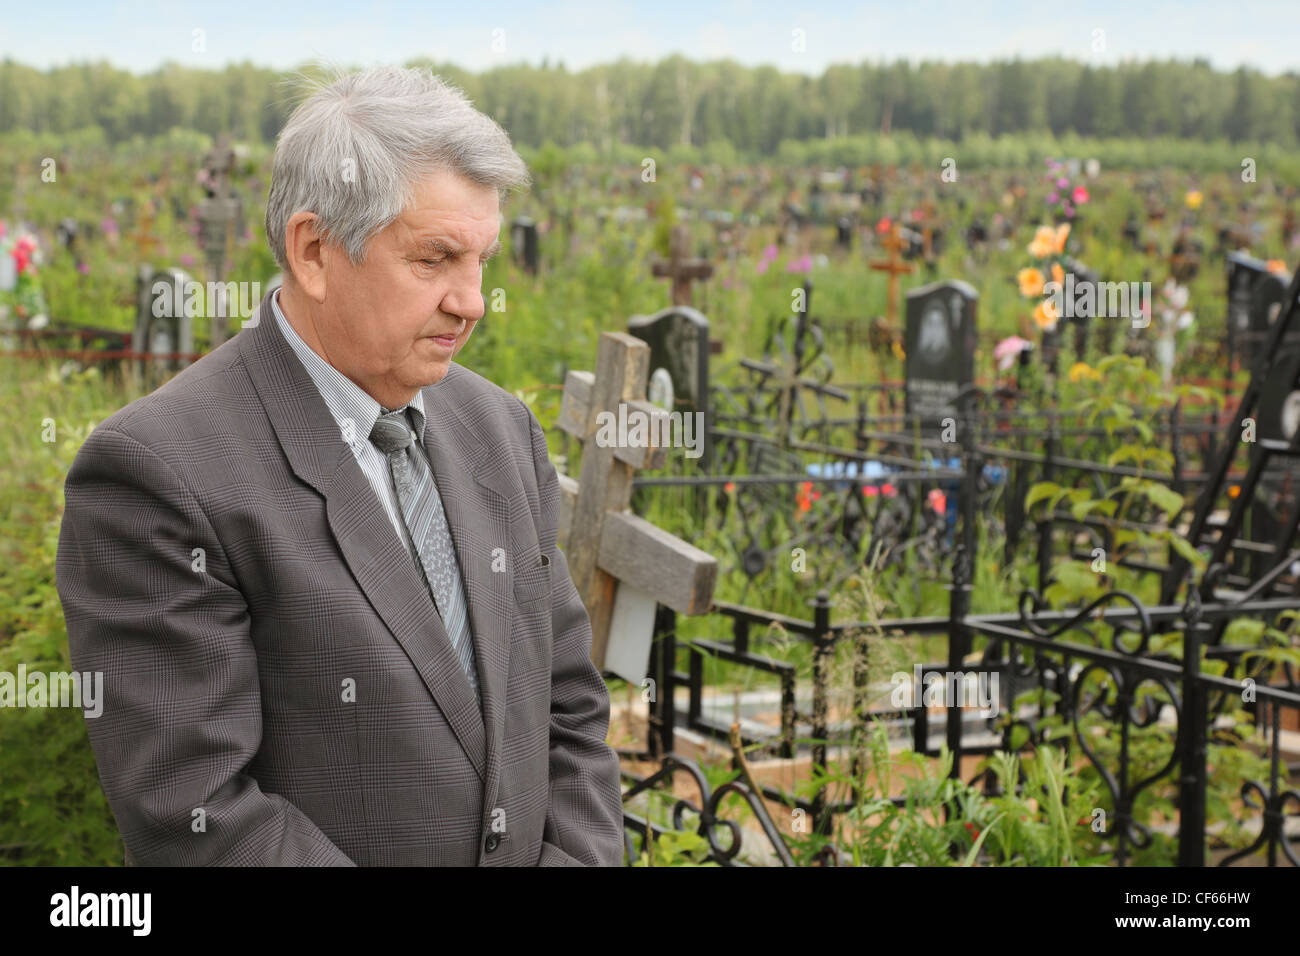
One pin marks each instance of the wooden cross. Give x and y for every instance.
(146, 240)
(621, 564)
(895, 266)
(682, 269)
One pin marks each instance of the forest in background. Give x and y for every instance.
(678, 103)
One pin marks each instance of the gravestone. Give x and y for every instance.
(679, 361)
(894, 267)
(66, 233)
(681, 267)
(1133, 232)
(1267, 297)
(939, 342)
(1255, 298)
(1185, 257)
(621, 564)
(1243, 272)
(163, 326)
(523, 244)
(844, 233)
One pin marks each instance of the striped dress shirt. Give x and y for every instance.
(356, 414)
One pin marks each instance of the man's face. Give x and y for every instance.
(393, 323)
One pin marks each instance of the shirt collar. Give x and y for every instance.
(353, 410)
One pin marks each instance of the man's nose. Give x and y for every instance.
(464, 297)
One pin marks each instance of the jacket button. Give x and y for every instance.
(492, 842)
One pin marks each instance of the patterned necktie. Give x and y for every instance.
(430, 537)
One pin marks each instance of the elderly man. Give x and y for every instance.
(318, 568)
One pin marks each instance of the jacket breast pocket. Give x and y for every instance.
(532, 577)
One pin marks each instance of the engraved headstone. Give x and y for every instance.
(679, 348)
(939, 342)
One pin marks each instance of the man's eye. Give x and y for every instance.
(432, 262)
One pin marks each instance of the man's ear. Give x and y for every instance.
(306, 251)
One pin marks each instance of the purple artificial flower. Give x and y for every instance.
(1062, 183)
(1052, 197)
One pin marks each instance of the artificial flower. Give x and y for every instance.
(1031, 282)
(1045, 315)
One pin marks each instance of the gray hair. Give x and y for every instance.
(356, 150)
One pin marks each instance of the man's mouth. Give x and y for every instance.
(447, 339)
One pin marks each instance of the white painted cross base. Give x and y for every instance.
(631, 630)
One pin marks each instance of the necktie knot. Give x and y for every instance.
(392, 433)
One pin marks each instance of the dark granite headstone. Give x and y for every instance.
(523, 244)
(1243, 272)
(844, 232)
(679, 361)
(940, 345)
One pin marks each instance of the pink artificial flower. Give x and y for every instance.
(938, 500)
(762, 266)
(1006, 351)
(1062, 183)
(187, 260)
(83, 268)
(769, 252)
(884, 226)
(802, 264)
(1080, 196)
(1053, 197)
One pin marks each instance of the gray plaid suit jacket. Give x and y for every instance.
(287, 695)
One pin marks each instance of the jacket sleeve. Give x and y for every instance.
(151, 602)
(584, 822)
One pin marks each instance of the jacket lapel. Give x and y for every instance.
(378, 559)
(476, 500)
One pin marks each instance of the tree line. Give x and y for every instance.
(676, 102)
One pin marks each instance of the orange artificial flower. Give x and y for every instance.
(1058, 238)
(1276, 265)
(1044, 241)
(1031, 282)
(1058, 274)
(1193, 199)
(1045, 315)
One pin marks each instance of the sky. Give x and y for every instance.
(793, 36)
